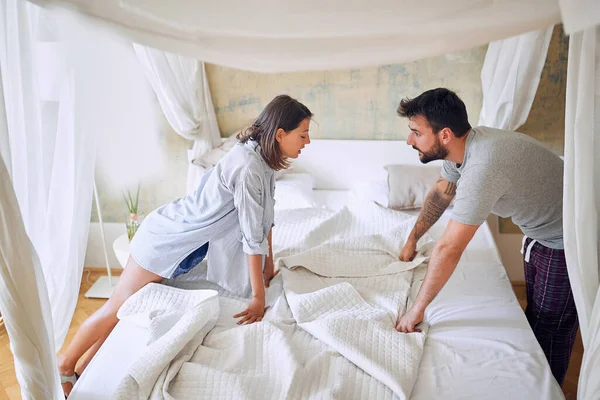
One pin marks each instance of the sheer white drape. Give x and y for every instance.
(279, 36)
(24, 302)
(51, 162)
(62, 92)
(184, 95)
(38, 294)
(510, 77)
(581, 201)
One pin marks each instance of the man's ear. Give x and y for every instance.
(446, 135)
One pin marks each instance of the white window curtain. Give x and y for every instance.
(184, 95)
(51, 161)
(581, 198)
(510, 77)
(280, 36)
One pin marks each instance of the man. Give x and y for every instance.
(487, 171)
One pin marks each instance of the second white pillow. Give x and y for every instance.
(294, 190)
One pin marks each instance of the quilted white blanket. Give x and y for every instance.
(328, 334)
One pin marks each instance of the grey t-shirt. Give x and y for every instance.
(511, 175)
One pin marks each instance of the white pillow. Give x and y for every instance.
(409, 185)
(376, 191)
(294, 190)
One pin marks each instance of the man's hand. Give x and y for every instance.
(409, 320)
(409, 251)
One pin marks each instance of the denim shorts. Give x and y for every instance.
(193, 259)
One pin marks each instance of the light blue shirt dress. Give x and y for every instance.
(231, 213)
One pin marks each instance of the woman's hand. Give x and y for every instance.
(253, 313)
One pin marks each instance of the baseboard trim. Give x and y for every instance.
(114, 271)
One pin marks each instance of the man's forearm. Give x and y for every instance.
(436, 203)
(441, 266)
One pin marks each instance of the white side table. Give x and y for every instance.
(121, 249)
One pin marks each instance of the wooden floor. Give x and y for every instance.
(9, 389)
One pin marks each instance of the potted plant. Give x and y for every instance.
(133, 221)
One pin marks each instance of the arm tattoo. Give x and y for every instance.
(450, 189)
(434, 207)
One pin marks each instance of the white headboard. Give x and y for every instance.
(341, 164)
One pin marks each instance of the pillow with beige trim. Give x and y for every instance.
(408, 185)
(212, 157)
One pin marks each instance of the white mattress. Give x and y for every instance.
(479, 344)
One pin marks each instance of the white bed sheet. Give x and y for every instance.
(479, 344)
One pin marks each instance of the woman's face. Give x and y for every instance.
(291, 143)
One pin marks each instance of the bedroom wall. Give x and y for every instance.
(348, 104)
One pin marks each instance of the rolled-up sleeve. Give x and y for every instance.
(248, 201)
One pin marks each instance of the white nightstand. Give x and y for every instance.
(121, 249)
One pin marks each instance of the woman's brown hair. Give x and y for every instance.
(282, 112)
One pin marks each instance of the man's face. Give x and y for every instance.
(425, 141)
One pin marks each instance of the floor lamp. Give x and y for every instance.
(104, 285)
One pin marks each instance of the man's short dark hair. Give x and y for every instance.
(441, 107)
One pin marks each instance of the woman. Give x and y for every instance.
(228, 219)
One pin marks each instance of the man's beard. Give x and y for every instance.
(438, 152)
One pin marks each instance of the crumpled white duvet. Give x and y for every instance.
(329, 332)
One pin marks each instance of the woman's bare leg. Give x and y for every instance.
(87, 357)
(99, 325)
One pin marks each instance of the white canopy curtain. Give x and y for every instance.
(280, 36)
(182, 89)
(31, 316)
(510, 77)
(27, 312)
(581, 198)
(51, 162)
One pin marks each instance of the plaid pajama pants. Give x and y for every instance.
(550, 306)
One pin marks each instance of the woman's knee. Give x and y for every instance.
(133, 278)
